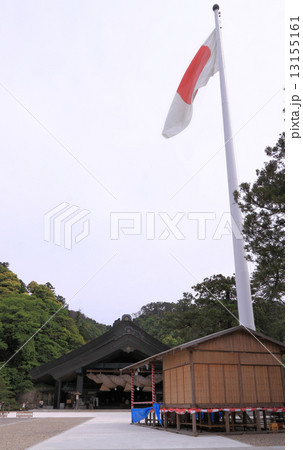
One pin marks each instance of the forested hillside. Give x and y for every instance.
(210, 308)
(35, 327)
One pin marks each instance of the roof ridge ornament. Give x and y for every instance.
(127, 318)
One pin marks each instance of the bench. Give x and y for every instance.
(27, 414)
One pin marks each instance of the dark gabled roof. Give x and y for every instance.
(123, 336)
(191, 344)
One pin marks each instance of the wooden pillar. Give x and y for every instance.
(226, 416)
(194, 423)
(153, 383)
(154, 419)
(200, 418)
(264, 419)
(79, 385)
(258, 420)
(192, 380)
(165, 420)
(178, 422)
(233, 421)
(240, 380)
(58, 393)
(132, 392)
(208, 419)
(255, 420)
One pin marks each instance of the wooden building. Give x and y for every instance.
(232, 369)
(92, 372)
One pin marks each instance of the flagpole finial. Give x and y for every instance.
(216, 7)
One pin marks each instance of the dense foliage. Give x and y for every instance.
(263, 206)
(211, 307)
(88, 328)
(35, 327)
(197, 314)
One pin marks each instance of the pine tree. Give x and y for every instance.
(263, 206)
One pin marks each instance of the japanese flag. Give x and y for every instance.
(203, 66)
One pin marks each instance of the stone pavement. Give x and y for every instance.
(111, 430)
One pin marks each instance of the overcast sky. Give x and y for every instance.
(85, 88)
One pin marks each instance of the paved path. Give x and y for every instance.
(112, 431)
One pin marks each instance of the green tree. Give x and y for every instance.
(9, 282)
(270, 318)
(42, 291)
(61, 300)
(197, 314)
(33, 331)
(210, 307)
(182, 323)
(88, 328)
(155, 318)
(6, 395)
(216, 299)
(35, 327)
(263, 206)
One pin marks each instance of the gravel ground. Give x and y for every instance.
(19, 434)
(259, 439)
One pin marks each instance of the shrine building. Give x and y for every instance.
(89, 377)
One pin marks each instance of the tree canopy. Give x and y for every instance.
(263, 206)
(211, 307)
(35, 327)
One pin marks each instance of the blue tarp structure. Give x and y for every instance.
(141, 413)
(157, 411)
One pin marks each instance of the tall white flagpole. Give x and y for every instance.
(246, 316)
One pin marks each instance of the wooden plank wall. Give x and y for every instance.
(234, 371)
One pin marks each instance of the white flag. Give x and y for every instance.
(203, 66)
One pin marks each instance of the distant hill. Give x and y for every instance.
(88, 328)
(36, 326)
